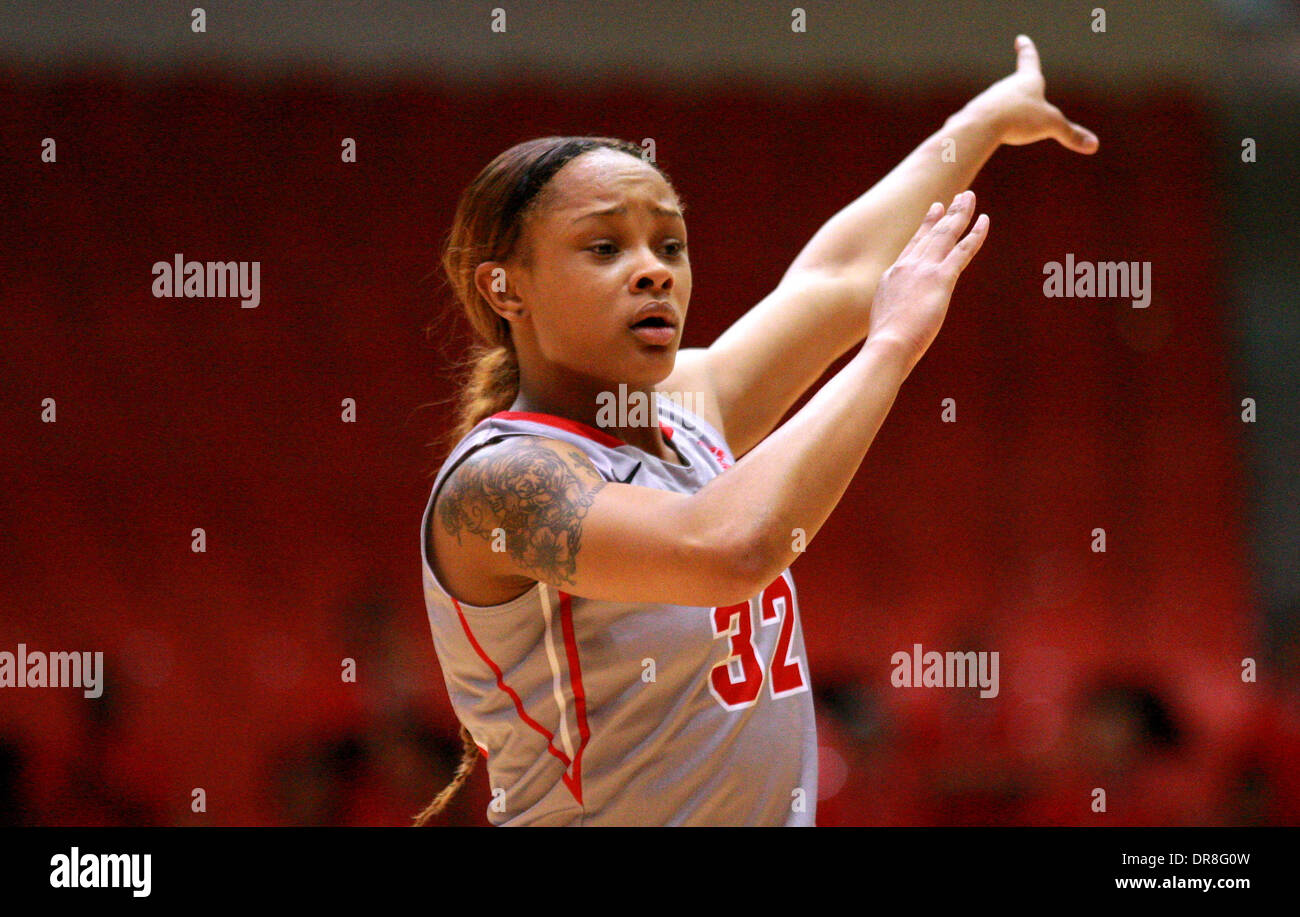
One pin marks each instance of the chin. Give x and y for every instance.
(662, 359)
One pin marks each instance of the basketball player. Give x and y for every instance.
(609, 594)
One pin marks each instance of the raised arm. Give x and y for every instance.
(763, 363)
(532, 509)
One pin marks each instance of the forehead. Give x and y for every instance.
(605, 176)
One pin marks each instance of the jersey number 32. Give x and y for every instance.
(737, 681)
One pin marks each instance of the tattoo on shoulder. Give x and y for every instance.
(529, 492)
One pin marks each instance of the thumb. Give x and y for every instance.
(1077, 137)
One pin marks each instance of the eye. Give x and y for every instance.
(674, 249)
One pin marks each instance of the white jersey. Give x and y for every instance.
(617, 713)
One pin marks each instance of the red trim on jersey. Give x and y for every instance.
(519, 704)
(563, 423)
(574, 426)
(717, 454)
(579, 695)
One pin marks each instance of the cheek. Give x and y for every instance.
(573, 332)
(578, 322)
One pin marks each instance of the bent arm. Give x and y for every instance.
(548, 515)
(768, 359)
(535, 509)
(762, 364)
(531, 508)
(865, 237)
(795, 477)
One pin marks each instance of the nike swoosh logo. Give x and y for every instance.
(630, 476)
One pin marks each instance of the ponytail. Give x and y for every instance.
(492, 386)
(468, 758)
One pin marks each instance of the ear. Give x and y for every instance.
(493, 281)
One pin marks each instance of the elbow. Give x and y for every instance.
(733, 555)
(746, 566)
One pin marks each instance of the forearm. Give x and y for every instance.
(866, 236)
(794, 478)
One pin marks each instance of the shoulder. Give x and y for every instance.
(498, 462)
(505, 482)
(503, 509)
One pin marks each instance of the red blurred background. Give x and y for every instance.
(1119, 670)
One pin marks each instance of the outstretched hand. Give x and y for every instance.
(1017, 105)
(912, 297)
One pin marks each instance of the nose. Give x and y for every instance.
(653, 274)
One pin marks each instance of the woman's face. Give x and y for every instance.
(592, 272)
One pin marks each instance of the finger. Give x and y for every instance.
(965, 250)
(948, 230)
(1026, 54)
(931, 217)
(1076, 137)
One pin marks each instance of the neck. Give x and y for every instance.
(598, 404)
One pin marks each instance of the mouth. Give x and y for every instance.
(655, 323)
(656, 331)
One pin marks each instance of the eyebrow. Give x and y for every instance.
(622, 209)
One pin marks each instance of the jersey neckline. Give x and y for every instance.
(582, 429)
